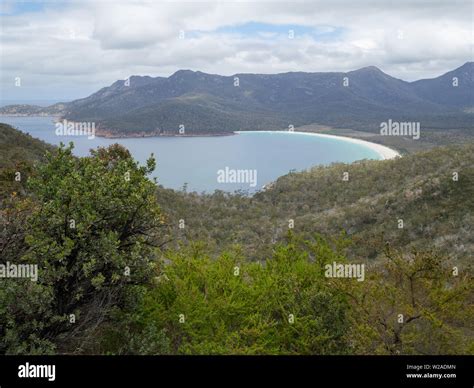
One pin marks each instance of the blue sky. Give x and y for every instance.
(20, 7)
(251, 29)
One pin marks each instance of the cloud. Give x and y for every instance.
(71, 49)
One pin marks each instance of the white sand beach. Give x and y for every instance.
(384, 151)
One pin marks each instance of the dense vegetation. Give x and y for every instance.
(117, 275)
(437, 211)
(86, 224)
(409, 304)
(18, 147)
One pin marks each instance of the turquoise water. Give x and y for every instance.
(197, 160)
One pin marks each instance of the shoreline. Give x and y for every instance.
(385, 152)
(148, 135)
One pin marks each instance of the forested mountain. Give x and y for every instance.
(440, 90)
(208, 103)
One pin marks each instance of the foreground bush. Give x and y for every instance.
(90, 225)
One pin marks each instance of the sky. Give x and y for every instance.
(60, 50)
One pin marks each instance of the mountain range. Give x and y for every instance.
(202, 103)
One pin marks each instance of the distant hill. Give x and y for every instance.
(213, 104)
(441, 90)
(33, 110)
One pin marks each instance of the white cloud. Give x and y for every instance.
(71, 50)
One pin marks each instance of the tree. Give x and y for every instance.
(92, 231)
(418, 303)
